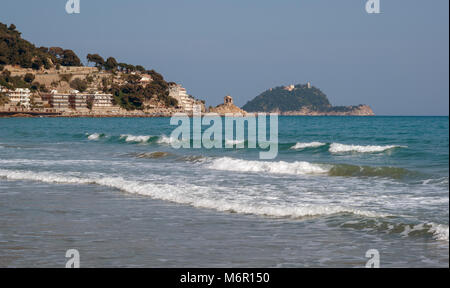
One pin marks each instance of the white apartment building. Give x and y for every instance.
(78, 101)
(19, 96)
(102, 101)
(185, 101)
(57, 100)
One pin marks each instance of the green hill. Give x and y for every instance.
(283, 100)
(16, 51)
(301, 100)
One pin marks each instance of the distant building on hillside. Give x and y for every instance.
(145, 79)
(289, 88)
(78, 101)
(185, 101)
(57, 100)
(19, 96)
(308, 85)
(102, 101)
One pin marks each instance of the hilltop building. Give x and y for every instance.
(289, 88)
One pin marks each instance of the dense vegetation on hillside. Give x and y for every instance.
(16, 51)
(130, 93)
(280, 99)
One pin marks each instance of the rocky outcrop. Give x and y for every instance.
(227, 108)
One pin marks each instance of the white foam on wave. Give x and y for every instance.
(133, 138)
(196, 196)
(438, 181)
(301, 145)
(281, 167)
(440, 231)
(94, 136)
(344, 148)
(204, 197)
(163, 139)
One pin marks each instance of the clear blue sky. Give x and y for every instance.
(397, 61)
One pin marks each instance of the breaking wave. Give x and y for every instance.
(437, 231)
(300, 145)
(163, 139)
(203, 197)
(95, 136)
(345, 170)
(192, 195)
(304, 168)
(136, 139)
(343, 148)
(281, 167)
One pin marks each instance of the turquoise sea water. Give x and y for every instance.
(116, 190)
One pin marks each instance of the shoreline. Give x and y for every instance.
(156, 115)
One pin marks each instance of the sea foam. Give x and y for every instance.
(343, 148)
(281, 167)
(95, 136)
(196, 196)
(301, 145)
(204, 197)
(133, 138)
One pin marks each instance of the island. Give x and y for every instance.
(302, 99)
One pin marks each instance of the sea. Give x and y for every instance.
(340, 191)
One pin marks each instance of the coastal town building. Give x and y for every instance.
(185, 101)
(78, 101)
(145, 79)
(57, 100)
(102, 101)
(308, 85)
(19, 96)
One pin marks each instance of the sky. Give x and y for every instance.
(396, 61)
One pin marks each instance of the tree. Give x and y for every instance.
(140, 68)
(70, 59)
(111, 64)
(29, 77)
(96, 59)
(56, 52)
(78, 84)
